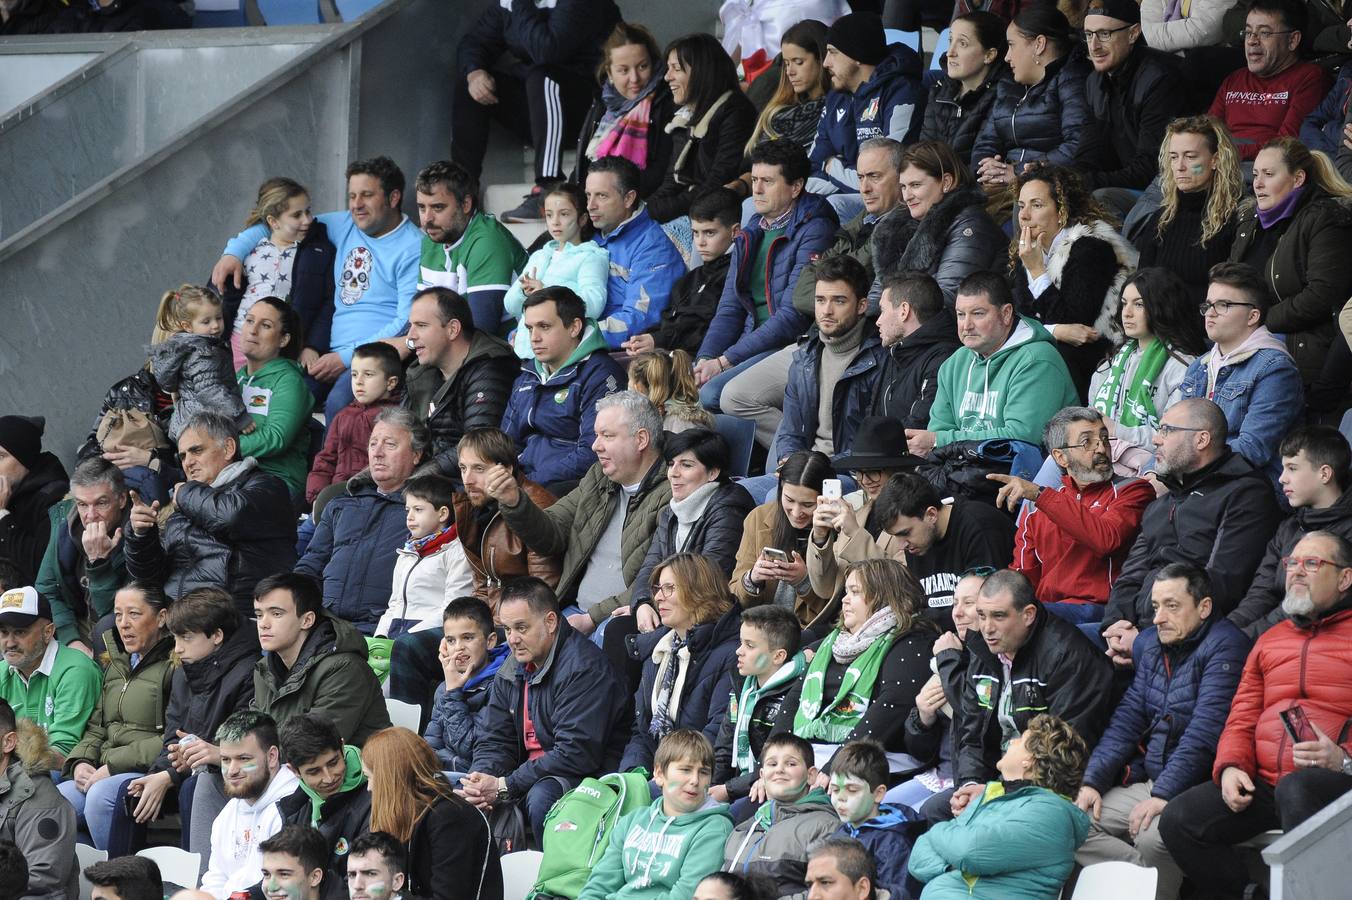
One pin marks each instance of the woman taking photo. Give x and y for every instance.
(771, 560)
(126, 731)
(630, 116)
(450, 846)
(688, 662)
(1133, 386)
(275, 394)
(1068, 265)
(961, 100)
(1202, 184)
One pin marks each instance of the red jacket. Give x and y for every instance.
(1256, 110)
(1310, 666)
(345, 446)
(1072, 544)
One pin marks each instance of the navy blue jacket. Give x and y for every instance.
(889, 836)
(851, 395)
(733, 331)
(704, 693)
(460, 716)
(1174, 711)
(353, 551)
(1049, 120)
(566, 33)
(311, 289)
(1323, 128)
(716, 537)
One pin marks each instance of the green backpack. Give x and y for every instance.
(577, 830)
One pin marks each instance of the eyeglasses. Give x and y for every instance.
(1104, 35)
(1222, 306)
(1311, 564)
(665, 590)
(1166, 430)
(867, 474)
(1088, 441)
(1263, 34)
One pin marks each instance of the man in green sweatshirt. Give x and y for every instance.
(1006, 381)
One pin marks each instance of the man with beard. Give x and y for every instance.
(1218, 513)
(1073, 541)
(255, 780)
(1279, 760)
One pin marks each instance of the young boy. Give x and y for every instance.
(470, 658)
(664, 850)
(432, 565)
(768, 660)
(125, 878)
(715, 219)
(376, 371)
(858, 783)
(774, 842)
(293, 866)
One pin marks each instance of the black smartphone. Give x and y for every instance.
(129, 805)
(1296, 723)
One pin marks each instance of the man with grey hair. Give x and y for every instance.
(353, 548)
(603, 527)
(1218, 513)
(231, 523)
(1072, 542)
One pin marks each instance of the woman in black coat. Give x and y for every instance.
(961, 100)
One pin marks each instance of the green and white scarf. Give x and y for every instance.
(1138, 403)
(833, 723)
(743, 706)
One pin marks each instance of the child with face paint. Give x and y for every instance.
(293, 864)
(859, 782)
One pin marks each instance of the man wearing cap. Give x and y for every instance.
(54, 686)
(918, 332)
(1133, 94)
(31, 480)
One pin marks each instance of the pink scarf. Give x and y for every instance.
(629, 137)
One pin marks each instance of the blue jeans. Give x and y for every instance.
(712, 392)
(541, 796)
(1084, 616)
(95, 809)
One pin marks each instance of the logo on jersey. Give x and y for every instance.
(356, 275)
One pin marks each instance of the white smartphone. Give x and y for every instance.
(831, 489)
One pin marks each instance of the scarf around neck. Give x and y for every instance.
(669, 683)
(743, 707)
(1132, 403)
(352, 779)
(623, 129)
(832, 723)
(1283, 210)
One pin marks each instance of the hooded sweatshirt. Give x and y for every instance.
(653, 856)
(236, 862)
(1010, 394)
(279, 404)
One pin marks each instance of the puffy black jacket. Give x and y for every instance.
(716, 536)
(924, 742)
(909, 376)
(1049, 120)
(956, 118)
(706, 155)
(850, 394)
(655, 167)
(311, 294)
(1057, 671)
(1134, 105)
(138, 391)
(26, 530)
(694, 300)
(1219, 518)
(475, 397)
(954, 239)
(567, 34)
(226, 537)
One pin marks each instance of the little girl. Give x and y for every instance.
(570, 260)
(189, 359)
(665, 378)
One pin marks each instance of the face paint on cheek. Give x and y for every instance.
(377, 889)
(853, 805)
(1196, 168)
(761, 662)
(249, 767)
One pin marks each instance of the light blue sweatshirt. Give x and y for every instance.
(583, 268)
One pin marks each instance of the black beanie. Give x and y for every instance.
(860, 37)
(22, 438)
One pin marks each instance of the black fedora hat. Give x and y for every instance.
(879, 443)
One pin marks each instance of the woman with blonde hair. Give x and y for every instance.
(451, 851)
(666, 378)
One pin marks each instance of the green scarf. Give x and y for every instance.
(742, 708)
(832, 724)
(1138, 406)
(352, 780)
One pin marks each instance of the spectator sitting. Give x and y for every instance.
(667, 379)
(1276, 91)
(377, 867)
(670, 858)
(125, 731)
(1322, 129)
(294, 865)
(859, 779)
(376, 374)
(1159, 740)
(125, 878)
(1073, 540)
(919, 332)
(552, 407)
(464, 249)
(942, 537)
(1178, 30)
(32, 481)
(1018, 835)
(353, 548)
(315, 663)
(39, 824)
(688, 663)
(715, 221)
(602, 530)
(51, 685)
(774, 842)
(841, 868)
(470, 658)
(333, 795)
(569, 259)
(190, 360)
(770, 664)
(1024, 661)
(431, 565)
(255, 779)
(1248, 372)
(275, 394)
(1315, 472)
(578, 719)
(1024, 379)
(1134, 386)
(1267, 773)
(962, 98)
(232, 522)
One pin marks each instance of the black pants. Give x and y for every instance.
(556, 102)
(1201, 831)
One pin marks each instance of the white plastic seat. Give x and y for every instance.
(86, 855)
(404, 715)
(177, 866)
(519, 871)
(1115, 881)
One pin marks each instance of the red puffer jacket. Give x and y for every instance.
(1289, 665)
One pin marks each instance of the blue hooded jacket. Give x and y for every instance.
(644, 266)
(459, 717)
(889, 837)
(1323, 128)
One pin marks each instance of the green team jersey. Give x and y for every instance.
(486, 258)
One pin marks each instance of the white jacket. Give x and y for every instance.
(424, 585)
(236, 864)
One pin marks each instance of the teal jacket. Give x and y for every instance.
(279, 403)
(60, 575)
(1005, 846)
(653, 856)
(584, 268)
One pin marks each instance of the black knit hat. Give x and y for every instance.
(1122, 10)
(860, 37)
(22, 438)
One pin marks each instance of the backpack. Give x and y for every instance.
(577, 830)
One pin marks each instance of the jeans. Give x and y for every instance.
(541, 796)
(712, 392)
(95, 809)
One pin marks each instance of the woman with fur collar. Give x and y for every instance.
(1068, 265)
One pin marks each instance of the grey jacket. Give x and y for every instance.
(197, 369)
(38, 820)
